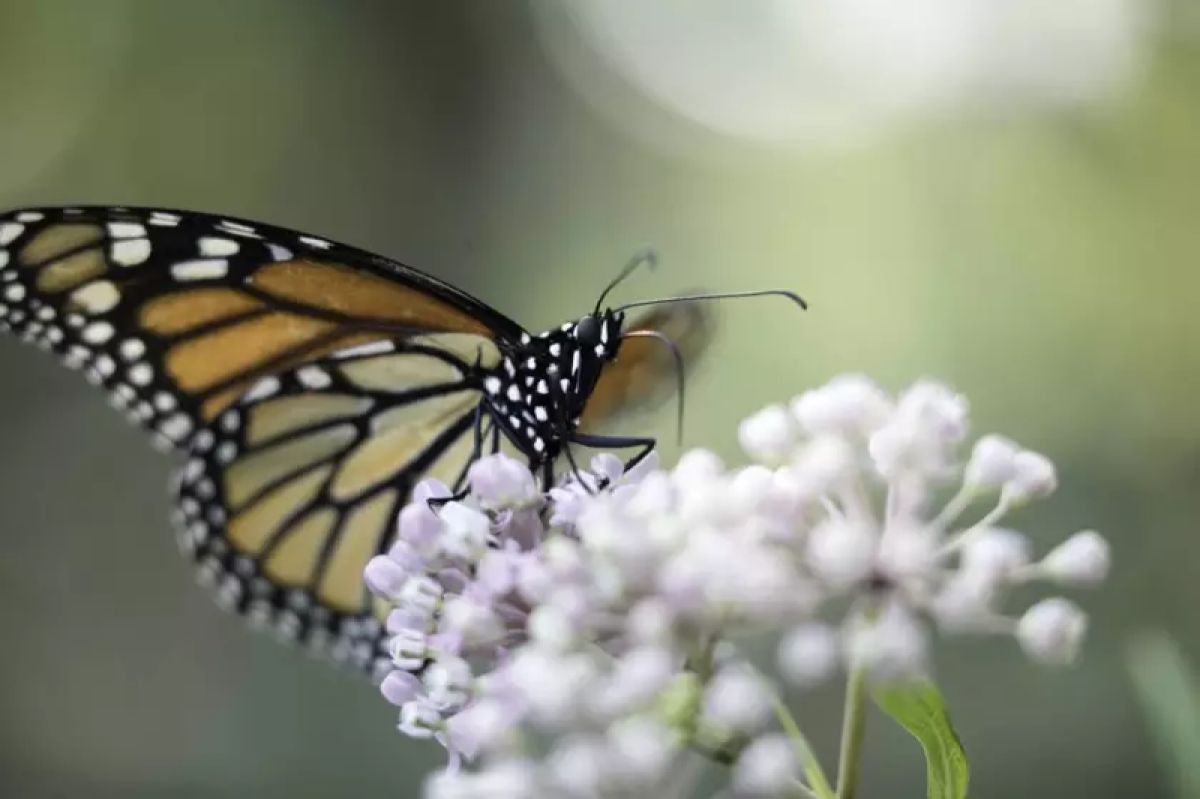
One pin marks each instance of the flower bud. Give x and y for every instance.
(448, 682)
(420, 595)
(1033, 478)
(822, 464)
(935, 410)
(475, 622)
(841, 553)
(642, 748)
(767, 767)
(1052, 631)
(1083, 559)
(581, 766)
(607, 467)
(482, 726)
(994, 553)
(409, 649)
(768, 436)
(737, 700)
(992, 462)
(419, 719)
(848, 405)
(637, 678)
(501, 481)
(400, 687)
(420, 526)
(385, 576)
(466, 531)
(697, 465)
(891, 645)
(808, 654)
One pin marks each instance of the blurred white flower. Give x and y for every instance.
(769, 435)
(1083, 559)
(991, 464)
(808, 654)
(1052, 631)
(803, 72)
(737, 699)
(767, 767)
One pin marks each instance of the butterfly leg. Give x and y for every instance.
(618, 442)
(460, 487)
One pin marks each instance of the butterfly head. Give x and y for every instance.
(598, 334)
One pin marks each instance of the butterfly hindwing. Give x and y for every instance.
(176, 314)
(291, 489)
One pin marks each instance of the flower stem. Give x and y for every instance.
(812, 767)
(854, 717)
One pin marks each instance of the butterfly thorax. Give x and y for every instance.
(538, 391)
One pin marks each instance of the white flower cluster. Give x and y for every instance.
(580, 645)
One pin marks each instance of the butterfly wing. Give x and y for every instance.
(643, 375)
(219, 335)
(178, 313)
(289, 492)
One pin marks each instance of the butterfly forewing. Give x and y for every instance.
(177, 314)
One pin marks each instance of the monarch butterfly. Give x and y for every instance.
(309, 386)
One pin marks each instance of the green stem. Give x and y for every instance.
(854, 717)
(812, 767)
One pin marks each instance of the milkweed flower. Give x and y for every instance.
(583, 642)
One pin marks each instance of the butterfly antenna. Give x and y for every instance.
(680, 379)
(646, 257)
(728, 295)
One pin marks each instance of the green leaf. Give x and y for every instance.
(1169, 694)
(920, 709)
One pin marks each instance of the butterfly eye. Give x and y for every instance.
(587, 332)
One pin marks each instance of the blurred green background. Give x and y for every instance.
(1040, 250)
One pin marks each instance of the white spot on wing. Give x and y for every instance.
(313, 241)
(3, 258)
(105, 366)
(238, 229)
(175, 427)
(492, 384)
(215, 247)
(97, 332)
(9, 231)
(202, 269)
(132, 349)
(263, 389)
(126, 230)
(164, 219)
(14, 293)
(141, 374)
(30, 216)
(279, 253)
(130, 252)
(97, 297)
(313, 377)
